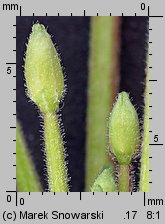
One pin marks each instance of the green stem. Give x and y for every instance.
(102, 89)
(26, 176)
(124, 178)
(144, 172)
(56, 168)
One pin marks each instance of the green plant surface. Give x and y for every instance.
(124, 178)
(43, 72)
(105, 181)
(124, 129)
(144, 171)
(26, 176)
(124, 136)
(45, 85)
(101, 91)
(55, 154)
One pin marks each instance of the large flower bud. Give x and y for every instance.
(124, 131)
(43, 71)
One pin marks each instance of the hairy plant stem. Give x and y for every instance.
(26, 176)
(144, 171)
(57, 173)
(45, 84)
(103, 86)
(124, 178)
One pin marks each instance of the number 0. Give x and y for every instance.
(8, 198)
(143, 6)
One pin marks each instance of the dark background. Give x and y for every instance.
(71, 35)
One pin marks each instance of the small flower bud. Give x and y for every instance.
(43, 72)
(104, 182)
(124, 131)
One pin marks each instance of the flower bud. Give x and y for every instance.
(43, 72)
(104, 182)
(124, 131)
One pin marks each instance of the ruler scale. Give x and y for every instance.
(48, 207)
